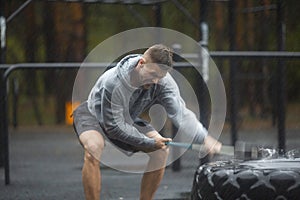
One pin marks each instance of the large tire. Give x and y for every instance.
(276, 179)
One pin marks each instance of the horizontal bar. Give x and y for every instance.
(10, 68)
(213, 54)
(248, 54)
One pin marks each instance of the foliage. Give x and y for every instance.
(31, 31)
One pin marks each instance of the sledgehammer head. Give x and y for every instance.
(244, 151)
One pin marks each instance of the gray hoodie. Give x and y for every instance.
(117, 105)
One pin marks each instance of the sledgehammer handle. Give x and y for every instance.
(178, 144)
(225, 150)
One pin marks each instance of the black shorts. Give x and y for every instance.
(83, 121)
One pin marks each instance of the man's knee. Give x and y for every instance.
(93, 151)
(160, 155)
(93, 144)
(158, 159)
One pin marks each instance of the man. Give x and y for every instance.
(112, 112)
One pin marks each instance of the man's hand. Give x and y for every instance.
(160, 142)
(212, 145)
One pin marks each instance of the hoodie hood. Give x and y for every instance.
(125, 66)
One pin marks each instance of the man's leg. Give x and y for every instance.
(154, 172)
(93, 143)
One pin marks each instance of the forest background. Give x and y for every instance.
(53, 31)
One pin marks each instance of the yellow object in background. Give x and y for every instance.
(70, 107)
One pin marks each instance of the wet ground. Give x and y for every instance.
(46, 162)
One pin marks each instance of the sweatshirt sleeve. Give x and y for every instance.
(183, 118)
(116, 124)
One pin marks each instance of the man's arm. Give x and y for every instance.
(212, 145)
(111, 116)
(183, 118)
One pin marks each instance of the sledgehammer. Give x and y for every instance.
(240, 151)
